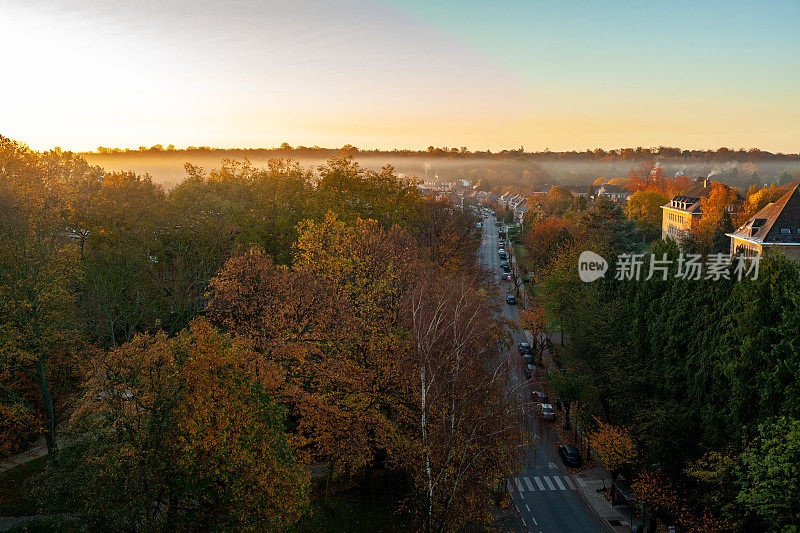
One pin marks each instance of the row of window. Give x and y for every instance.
(673, 217)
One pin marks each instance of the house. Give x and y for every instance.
(520, 208)
(618, 193)
(684, 210)
(775, 227)
(579, 190)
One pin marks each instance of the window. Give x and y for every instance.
(786, 231)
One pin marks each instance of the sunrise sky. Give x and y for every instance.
(556, 74)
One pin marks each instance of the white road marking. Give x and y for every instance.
(527, 508)
(551, 466)
(569, 483)
(528, 483)
(539, 482)
(523, 522)
(535, 523)
(581, 482)
(558, 482)
(509, 487)
(549, 483)
(519, 485)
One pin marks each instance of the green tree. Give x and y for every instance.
(770, 475)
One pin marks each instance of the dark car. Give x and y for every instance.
(506, 269)
(539, 397)
(530, 371)
(510, 300)
(570, 455)
(524, 348)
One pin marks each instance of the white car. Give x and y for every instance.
(547, 411)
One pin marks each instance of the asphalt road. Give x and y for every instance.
(543, 492)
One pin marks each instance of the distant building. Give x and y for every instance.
(617, 193)
(683, 212)
(776, 227)
(579, 190)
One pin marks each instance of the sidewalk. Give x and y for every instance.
(39, 449)
(588, 482)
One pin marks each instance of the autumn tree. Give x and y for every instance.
(614, 445)
(543, 238)
(177, 432)
(39, 275)
(332, 322)
(644, 208)
(468, 427)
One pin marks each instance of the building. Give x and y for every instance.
(684, 210)
(775, 227)
(617, 193)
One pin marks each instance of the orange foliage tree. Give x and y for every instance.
(614, 445)
(177, 432)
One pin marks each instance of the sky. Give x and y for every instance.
(401, 74)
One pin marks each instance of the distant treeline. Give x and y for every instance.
(598, 154)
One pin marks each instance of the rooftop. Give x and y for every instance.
(777, 222)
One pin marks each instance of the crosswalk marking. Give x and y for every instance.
(551, 483)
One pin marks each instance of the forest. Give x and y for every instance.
(247, 349)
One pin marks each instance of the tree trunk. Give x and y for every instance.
(49, 414)
(326, 503)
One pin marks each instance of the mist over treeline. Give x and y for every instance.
(525, 172)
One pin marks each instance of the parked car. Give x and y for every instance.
(510, 300)
(530, 371)
(547, 411)
(570, 455)
(506, 269)
(506, 277)
(524, 348)
(539, 397)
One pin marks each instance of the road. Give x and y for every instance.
(543, 492)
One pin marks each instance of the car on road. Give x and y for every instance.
(506, 269)
(547, 411)
(570, 455)
(506, 277)
(530, 370)
(501, 254)
(539, 397)
(510, 300)
(524, 348)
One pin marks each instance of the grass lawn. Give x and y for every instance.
(13, 499)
